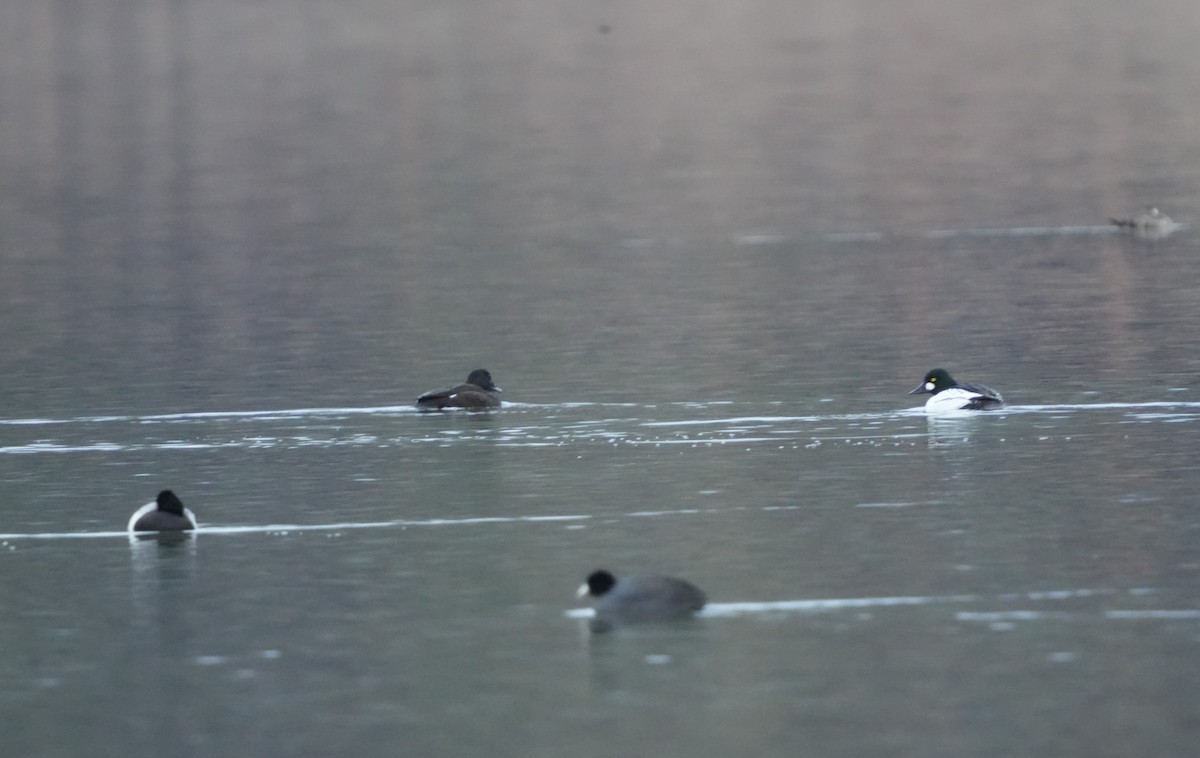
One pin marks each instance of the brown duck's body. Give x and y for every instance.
(479, 392)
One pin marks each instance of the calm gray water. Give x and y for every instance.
(706, 249)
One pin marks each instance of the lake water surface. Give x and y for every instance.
(706, 250)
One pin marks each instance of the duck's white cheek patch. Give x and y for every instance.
(929, 386)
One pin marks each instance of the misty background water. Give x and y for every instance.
(706, 249)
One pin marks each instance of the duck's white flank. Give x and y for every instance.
(152, 506)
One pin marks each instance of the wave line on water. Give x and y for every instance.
(829, 604)
(1020, 231)
(1186, 614)
(825, 605)
(319, 412)
(773, 239)
(203, 529)
(758, 419)
(392, 523)
(273, 528)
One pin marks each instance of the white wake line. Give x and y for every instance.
(318, 412)
(755, 239)
(408, 410)
(402, 523)
(788, 419)
(824, 605)
(344, 526)
(1100, 406)
(1021, 231)
(918, 412)
(206, 415)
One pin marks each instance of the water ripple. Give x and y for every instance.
(826, 605)
(683, 424)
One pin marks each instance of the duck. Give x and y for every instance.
(637, 599)
(165, 514)
(477, 393)
(1150, 224)
(948, 396)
